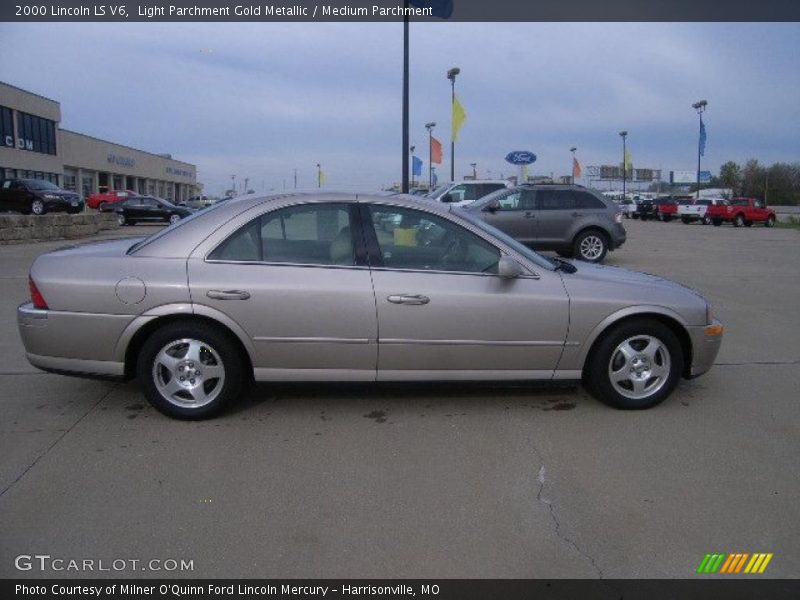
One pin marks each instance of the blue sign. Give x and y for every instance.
(705, 176)
(521, 157)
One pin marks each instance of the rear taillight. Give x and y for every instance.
(36, 295)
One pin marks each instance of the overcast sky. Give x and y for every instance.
(260, 100)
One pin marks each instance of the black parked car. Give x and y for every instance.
(150, 209)
(37, 196)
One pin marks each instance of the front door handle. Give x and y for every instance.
(577, 214)
(416, 299)
(530, 215)
(228, 294)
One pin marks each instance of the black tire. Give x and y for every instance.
(216, 350)
(717, 222)
(635, 216)
(770, 222)
(748, 223)
(685, 220)
(174, 218)
(591, 245)
(639, 333)
(122, 219)
(706, 221)
(565, 253)
(738, 221)
(667, 218)
(38, 207)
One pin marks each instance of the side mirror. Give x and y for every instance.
(492, 207)
(508, 268)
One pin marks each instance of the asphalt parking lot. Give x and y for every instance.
(428, 481)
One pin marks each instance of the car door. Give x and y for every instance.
(513, 213)
(556, 213)
(5, 194)
(296, 281)
(444, 313)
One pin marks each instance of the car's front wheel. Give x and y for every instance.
(738, 221)
(770, 222)
(636, 365)
(706, 221)
(190, 370)
(591, 246)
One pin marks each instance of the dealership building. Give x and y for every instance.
(33, 145)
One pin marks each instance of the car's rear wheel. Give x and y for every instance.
(748, 223)
(121, 219)
(635, 366)
(706, 221)
(738, 221)
(37, 207)
(190, 370)
(685, 220)
(667, 218)
(770, 222)
(174, 219)
(591, 246)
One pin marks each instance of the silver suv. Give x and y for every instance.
(572, 220)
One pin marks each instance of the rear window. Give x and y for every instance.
(587, 200)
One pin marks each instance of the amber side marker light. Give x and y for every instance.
(36, 295)
(714, 330)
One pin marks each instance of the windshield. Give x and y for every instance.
(439, 191)
(39, 184)
(173, 227)
(534, 257)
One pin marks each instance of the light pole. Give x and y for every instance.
(319, 175)
(429, 127)
(700, 106)
(451, 75)
(474, 170)
(573, 150)
(624, 135)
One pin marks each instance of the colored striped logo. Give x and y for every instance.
(739, 562)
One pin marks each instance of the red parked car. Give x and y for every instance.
(741, 211)
(105, 199)
(667, 208)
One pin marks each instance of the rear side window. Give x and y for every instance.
(586, 200)
(555, 200)
(484, 189)
(313, 234)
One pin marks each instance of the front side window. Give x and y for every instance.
(310, 234)
(415, 240)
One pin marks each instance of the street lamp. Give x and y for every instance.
(319, 175)
(451, 75)
(411, 152)
(573, 150)
(624, 135)
(474, 170)
(429, 127)
(700, 106)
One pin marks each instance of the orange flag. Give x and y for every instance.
(576, 168)
(436, 151)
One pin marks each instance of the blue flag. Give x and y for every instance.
(416, 166)
(441, 8)
(702, 139)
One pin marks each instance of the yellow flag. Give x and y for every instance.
(524, 173)
(628, 160)
(321, 178)
(459, 116)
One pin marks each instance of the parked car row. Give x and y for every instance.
(741, 212)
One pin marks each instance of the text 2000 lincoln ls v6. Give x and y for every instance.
(345, 287)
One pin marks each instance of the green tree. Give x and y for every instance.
(730, 176)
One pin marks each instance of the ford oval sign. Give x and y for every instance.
(521, 157)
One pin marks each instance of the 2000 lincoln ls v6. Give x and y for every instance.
(345, 287)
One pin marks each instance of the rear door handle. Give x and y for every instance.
(228, 294)
(530, 215)
(415, 299)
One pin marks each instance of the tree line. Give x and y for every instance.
(776, 184)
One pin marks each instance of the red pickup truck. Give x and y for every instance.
(107, 198)
(741, 211)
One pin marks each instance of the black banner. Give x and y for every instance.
(396, 10)
(443, 589)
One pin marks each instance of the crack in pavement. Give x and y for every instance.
(57, 440)
(540, 478)
(757, 362)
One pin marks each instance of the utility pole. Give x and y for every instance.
(429, 127)
(700, 107)
(624, 135)
(451, 75)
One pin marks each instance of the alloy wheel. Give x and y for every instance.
(591, 247)
(37, 207)
(188, 373)
(639, 367)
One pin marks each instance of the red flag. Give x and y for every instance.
(576, 168)
(436, 151)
